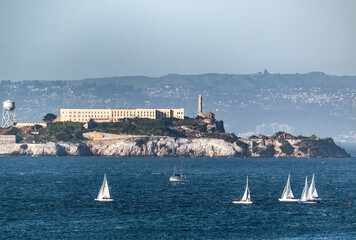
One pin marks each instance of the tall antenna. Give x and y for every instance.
(8, 114)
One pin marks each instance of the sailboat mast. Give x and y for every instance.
(305, 190)
(181, 169)
(286, 189)
(174, 169)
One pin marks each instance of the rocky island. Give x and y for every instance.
(188, 137)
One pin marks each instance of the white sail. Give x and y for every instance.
(304, 196)
(315, 193)
(246, 196)
(287, 192)
(174, 169)
(177, 177)
(312, 190)
(106, 193)
(104, 190)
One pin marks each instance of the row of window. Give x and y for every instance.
(86, 115)
(123, 114)
(6, 137)
(74, 116)
(85, 112)
(102, 112)
(134, 113)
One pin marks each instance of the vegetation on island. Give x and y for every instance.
(139, 126)
(49, 117)
(54, 132)
(227, 137)
(281, 144)
(267, 152)
(286, 147)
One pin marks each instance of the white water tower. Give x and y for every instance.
(8, 114)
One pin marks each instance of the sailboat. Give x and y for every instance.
(104, 194)
(287, 195)
(306, 196)
(176, 177)
(246, 198)
(312, 190)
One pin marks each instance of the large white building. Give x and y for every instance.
(113, 115)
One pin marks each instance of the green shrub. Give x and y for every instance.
(13, 131)
(301, 137)
(138, 126)
(313, 137)
(268, 152)
(304, 150)
(24, 146)
(142, 141)
(241, 144)
(286, 147)
(37, 127)
(63, 131)
(201, 128)
(227, 137)
(63, 136)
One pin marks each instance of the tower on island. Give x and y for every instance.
(8, 114)
(200, 105)
(200, 114)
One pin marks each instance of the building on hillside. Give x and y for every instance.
(200, 114)
(114, 115)
(20, 124)
(7, 139)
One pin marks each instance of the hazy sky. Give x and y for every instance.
(75, 39)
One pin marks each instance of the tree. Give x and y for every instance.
(49, 117)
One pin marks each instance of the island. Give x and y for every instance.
(202, 136)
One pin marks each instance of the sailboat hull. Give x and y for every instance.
(104, 200)
(242, 202)
(288, 200)
(175, 179)
(309, 201)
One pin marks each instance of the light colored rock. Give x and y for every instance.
(158, 147)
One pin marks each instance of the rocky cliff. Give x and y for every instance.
(184, 147)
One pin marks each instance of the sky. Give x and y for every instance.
(76, 39)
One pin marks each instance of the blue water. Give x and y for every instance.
(52, 198)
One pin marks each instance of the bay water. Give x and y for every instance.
(53, 198)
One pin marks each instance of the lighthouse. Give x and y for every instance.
(200, 105)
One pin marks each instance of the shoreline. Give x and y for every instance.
(182, 147)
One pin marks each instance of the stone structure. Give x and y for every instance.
(200, 105)
(7, 139)
(29, 124)
(176, 147)
(113, 115)
(200, 114)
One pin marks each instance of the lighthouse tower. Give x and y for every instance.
(200, 114)
(200, 105)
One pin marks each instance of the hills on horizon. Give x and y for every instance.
(311, 103)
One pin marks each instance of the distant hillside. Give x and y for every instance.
(312, 103)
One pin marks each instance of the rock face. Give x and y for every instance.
(184, 147)
(167, 147)
(46, 149)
